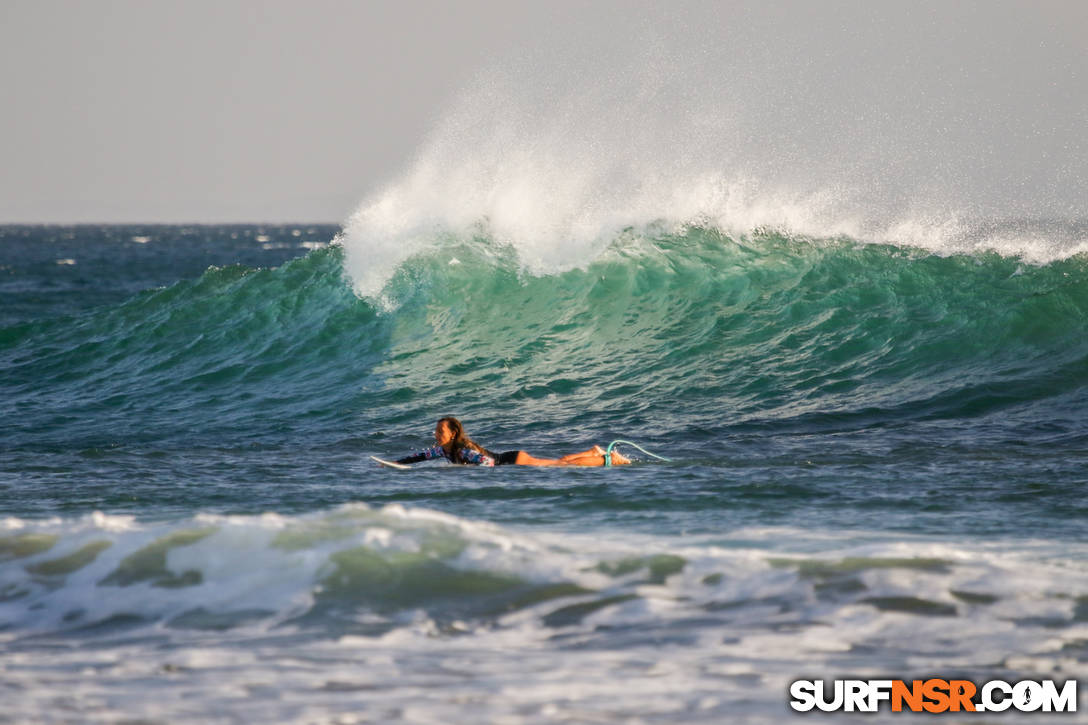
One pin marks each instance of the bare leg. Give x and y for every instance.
(594, 451)
(524, 459)
(593, 457)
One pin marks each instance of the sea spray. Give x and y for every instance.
(556, 171)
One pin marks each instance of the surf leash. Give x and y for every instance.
(608, 453)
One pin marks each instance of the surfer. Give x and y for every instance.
(455, 445)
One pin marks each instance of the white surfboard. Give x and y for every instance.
(390, 464)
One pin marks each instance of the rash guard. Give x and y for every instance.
(465, 455)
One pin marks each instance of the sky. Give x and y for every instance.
(247, 111)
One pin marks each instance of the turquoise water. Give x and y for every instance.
(879, 459)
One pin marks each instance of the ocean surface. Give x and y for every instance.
(879, 466)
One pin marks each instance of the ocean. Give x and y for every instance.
(879, 453)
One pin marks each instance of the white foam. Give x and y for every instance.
(558, 173)
(741, 618)
(112, 523)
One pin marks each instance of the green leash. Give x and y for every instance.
(608, 453)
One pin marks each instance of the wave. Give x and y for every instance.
(233, 342)
(420, 615)
(355, 570)
(558, 170)
(660, 330)
(552, 236)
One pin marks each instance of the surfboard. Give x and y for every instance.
(390, 464)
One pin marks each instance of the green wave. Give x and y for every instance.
(681, 330)
(666, 331)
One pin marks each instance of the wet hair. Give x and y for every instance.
(460, 440)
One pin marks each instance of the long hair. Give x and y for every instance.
(460, 440)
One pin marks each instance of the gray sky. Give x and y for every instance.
(201, 111)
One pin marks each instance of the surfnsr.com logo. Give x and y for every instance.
(933, 695)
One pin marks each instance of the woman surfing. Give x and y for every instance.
(455, 446)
